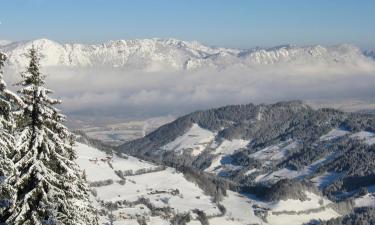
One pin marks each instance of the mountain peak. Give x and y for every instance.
(144, 54)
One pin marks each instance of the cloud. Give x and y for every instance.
(132, 93)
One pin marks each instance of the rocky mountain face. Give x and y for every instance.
(157, 54)
(262, 148)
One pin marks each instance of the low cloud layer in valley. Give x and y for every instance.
(126, 93)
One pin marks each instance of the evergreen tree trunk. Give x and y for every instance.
(49, 187)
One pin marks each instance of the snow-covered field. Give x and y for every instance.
(196, 139)
(225, 148)
(325, 179)
(275, 152)
(367, 137)
(334, 133)
(290, 174)
(367, 200)
(168, 189)
(96, 165)
(302, 211)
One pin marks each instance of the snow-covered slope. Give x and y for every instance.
(155, 196)
(221, 151)
(334, 133)
(195, 140)
(156, 54)
(161, 187)
(367, 137)
(290, 212)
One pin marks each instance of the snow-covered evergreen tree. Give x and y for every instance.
(8, 103)
(49, 187)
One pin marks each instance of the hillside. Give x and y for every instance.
(127, 190)
(259, 147)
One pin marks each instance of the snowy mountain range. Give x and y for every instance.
(158, 54)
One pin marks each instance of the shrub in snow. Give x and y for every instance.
(101, 183)
(201, 216)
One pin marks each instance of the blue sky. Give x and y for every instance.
(229, 23)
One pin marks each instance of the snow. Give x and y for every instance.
(333, 134)
(225, 148)
(131, 163)
(367, 137)
(125, 222)
(296, 212)
(288, 212)
(363, 135)
(228, 147)
(275, 152)
(239, 208)
(367, 200)
(370, 141)
(251, 171)
(297, 205)
(326, 179)
(285, 219)
(162, 181)
(95, 170)
(158, 221)
(158, 187)
(196, 139)
(194, 222)
(291, 174)
(91, 160)
(154, 54)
